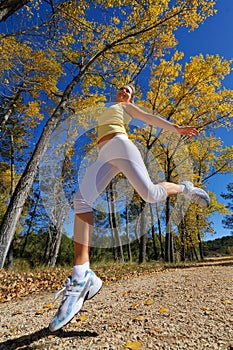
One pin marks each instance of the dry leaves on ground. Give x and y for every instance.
(190, 309)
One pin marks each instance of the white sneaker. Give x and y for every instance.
(195, 195)
(74, 295)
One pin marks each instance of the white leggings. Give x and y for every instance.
(117, 155)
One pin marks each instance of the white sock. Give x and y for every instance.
(79, 271)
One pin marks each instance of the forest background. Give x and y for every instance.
(60, 61)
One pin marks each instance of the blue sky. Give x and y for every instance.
(214, 36)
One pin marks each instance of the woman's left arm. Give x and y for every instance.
(157, 120)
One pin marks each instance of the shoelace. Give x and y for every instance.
(67, 289)
(67, 285)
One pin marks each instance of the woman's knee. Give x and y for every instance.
(81, 206)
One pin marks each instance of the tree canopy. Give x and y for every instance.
(66, 56)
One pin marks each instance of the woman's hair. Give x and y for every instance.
(132, 88)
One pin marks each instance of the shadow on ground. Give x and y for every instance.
(26, 340)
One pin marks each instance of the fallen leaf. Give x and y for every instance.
(226, 302)
(82, 318)
(205, 309)
(40, 312)
(139, 318)
(163, 309)
(48, 306)
(133, 345)
(135, 305)
(149, 302)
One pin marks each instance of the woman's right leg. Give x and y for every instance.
(83, 228)
(95, 180)
(84, 284)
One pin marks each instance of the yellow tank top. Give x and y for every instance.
(113, 120)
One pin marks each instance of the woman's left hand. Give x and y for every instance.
(187, 130)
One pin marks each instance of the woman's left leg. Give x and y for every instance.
(126, 157)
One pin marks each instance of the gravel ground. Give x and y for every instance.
(173, 309)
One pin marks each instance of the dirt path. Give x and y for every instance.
(174, 309)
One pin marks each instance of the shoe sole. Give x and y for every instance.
(201, 198)
(196, 195)
(93, 291)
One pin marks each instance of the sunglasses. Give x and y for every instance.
(126, 89)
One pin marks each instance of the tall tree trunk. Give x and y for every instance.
(55, 246)
(167, 237)
(200, 247)
(155, 255)
(127, 232)
(169, 248)
(201, 251)
(172, 254)
(143, 233)
(10, 255)
(182, 238)
(195, 253)
(118, 249)
(114, 250)
(33, 214)
(160, 234)
(47, 244)
(142, 239)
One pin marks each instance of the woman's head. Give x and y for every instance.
(125, 94)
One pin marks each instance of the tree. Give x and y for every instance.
(153, 234)
(228, 220)
(113, 219)
(127, 230)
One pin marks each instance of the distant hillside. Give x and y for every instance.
(219, 246)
